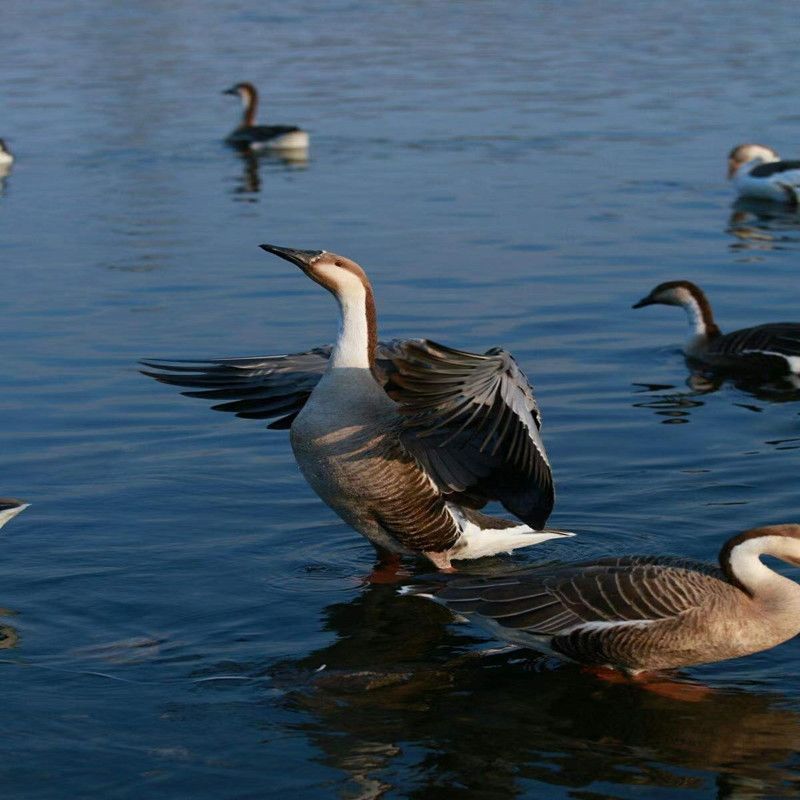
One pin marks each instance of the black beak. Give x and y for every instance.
(645, 301)
(233, 90)
(302, 258)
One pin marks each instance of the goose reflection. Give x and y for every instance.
(405, 702)
(762, 225)
(675, 406)
(248, 185)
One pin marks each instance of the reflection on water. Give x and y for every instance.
(676, 406)
(248, 185)
(762, 225)
(399, 698)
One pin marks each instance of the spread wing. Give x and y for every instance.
(254, 388)
(260, 387)
(556, 601)
(472, 422)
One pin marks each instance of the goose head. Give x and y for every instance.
(339, 275)
(691, 298)
(9, 508)
(745, 153)
(348, 283)
(244, 90)
(672, 293)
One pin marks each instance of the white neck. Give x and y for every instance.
(697, 325)
(352, 345)
(746, 566)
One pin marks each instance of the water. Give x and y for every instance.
(181, 617)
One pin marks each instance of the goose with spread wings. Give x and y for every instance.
(406, 440)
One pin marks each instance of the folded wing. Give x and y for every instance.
(556, 601)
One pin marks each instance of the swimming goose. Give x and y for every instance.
(9, 508)
(637, 613)
(757, 171)
(6, 158)
(250, 136)
(405, 440)
(764, 351)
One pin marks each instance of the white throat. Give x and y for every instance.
(697, 325)
(352, 345)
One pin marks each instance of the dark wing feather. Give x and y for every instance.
(472, 422)
(259, 133)
(779, 168)
(763, 348)
(253, 388)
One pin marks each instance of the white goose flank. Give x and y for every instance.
(640, 613)
(405, 440)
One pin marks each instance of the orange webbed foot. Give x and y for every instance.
(661, 685)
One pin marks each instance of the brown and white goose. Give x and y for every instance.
(757, 171)
(9, 508)
(405, 440)
(764, 351)
(641, 613)
(249, 136)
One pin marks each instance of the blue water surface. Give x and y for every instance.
(181, 617)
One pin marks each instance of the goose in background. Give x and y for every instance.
(763, 351)
(640, 613)
(405, 440)
(9, 508)
(249, 136)
(757, 171)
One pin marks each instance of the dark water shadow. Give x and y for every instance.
(763, 225)
(400, 699)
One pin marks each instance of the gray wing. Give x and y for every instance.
(254, 388)
(473, 423)
(555, 601)
(764, 347)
